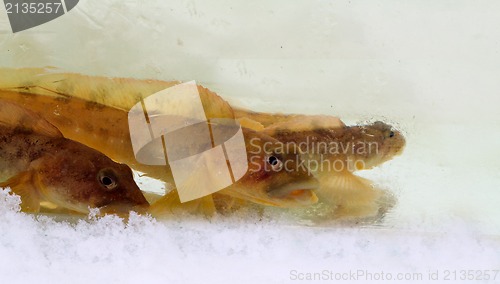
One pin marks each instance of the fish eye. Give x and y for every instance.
(275, 162)
(107, 179)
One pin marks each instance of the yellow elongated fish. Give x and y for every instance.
(121, 93)
(43, 167)
(334, 151)
(72, 102)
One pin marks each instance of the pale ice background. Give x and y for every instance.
(430, 67)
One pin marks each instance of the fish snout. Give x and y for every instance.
(134, 195)
(396, 142)
(131, 200)
(139, 199)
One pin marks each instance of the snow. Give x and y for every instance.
(227, 249)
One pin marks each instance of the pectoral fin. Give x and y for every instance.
(352, 196)
(22, 185)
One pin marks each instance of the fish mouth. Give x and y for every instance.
(302, 194)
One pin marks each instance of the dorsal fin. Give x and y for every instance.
(306, 123)
(266, 119)
(15, 116)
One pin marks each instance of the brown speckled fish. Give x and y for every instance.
(266, 181)
(333, 152)
(49, 171)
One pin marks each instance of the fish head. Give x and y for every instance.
(276, 175)
(382, 142)
(78, 178)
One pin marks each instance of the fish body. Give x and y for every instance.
(327, 139)
(43, 167)
(88, 123)
(88, 108)
(265, 182)
(333, 152)
(120, 93)
(94, 111)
